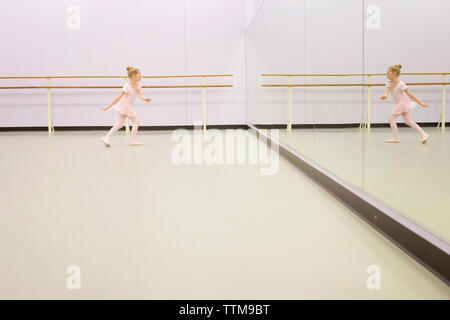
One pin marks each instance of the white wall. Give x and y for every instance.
(414, 33)
(267, 43)
(158, 36)
(207, 36)
(331, 36)
(251, 8)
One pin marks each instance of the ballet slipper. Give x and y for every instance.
(136, 143)
(106, 142)
(392, 140)
(425, 138)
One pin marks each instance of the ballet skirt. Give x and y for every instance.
(124, 107)
(402, 101)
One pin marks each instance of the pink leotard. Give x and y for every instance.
(124, 104)
(402, 101)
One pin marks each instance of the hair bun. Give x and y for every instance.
(398, 65)
(129, 68)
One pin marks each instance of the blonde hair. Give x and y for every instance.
(132, 70)
(396, 68)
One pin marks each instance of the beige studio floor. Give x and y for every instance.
(141, 227)
(412, 177)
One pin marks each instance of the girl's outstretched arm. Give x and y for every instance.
(386, 93)
(116, 99)
(414, 98)
(142, 97)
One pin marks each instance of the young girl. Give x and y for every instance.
(126, 98)
(400, 93)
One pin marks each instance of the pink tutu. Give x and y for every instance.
(124, 105)
(402, 101)
(125, 110)
(404, 105)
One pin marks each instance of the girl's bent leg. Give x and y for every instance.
(134, 130)
(394, 128)
(119, 124)
(414, 125)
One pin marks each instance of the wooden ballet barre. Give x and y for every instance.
(344, 74)
(312, 74)
(203, 86)
(369, 85)
(192, 76)
(147, 77)
(351, 84)
(119, 87)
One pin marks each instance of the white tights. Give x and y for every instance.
(120, 123)
(408, 121)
